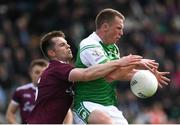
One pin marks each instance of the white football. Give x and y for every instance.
(144, 84)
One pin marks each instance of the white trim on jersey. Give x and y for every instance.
(36, 94)
(26, 86)
(14, 102)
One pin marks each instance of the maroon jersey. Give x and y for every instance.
(24, 96)
(54, 95)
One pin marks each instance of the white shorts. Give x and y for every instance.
(81, 114)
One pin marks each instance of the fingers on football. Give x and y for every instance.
(148, 65)
(152, 64)
(160, 85)
(164, 73)
(163, 80)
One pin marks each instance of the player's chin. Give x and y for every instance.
(117, 39)
(70, 56)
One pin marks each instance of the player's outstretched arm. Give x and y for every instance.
(92, 72)
(101, 70)
(126, 73)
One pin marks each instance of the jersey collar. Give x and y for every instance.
(96, 37)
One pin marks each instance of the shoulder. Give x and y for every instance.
(26, 86)
(91, 40)
(56, 69)
(22, 91)
(56, 65)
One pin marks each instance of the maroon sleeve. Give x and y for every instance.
(16, 96)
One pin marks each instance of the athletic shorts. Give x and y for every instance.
(82, 112)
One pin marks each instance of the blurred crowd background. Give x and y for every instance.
(152, 29)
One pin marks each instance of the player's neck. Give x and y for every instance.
(101, 36)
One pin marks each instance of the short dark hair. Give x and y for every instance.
(46, 41)
(38, 62)
(107, 15)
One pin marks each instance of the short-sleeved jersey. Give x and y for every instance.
(54, 96)
(93, 51)
(24, 97)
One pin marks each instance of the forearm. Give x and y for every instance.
(11, 113)
(11, 118)
(100, 70)
(122, 73)
(93, 72)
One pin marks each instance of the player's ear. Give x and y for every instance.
(105, 26)
(51, 53)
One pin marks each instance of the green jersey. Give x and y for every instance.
(93, 51)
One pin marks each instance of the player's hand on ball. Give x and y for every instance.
(148, 64)
(162, 79)
(130, 60)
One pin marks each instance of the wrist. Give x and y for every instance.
(117, 63)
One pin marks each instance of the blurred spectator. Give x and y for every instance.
(152, 115)
(176, 77)
(5, 80)
(142, 117)
(22, 30)
(157, 114)
(2, 99)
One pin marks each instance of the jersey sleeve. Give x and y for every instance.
(16, 97)
(63, 71)
(91, 54)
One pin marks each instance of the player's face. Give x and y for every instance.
(115, 30)
(35, 73)
(62, 49)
